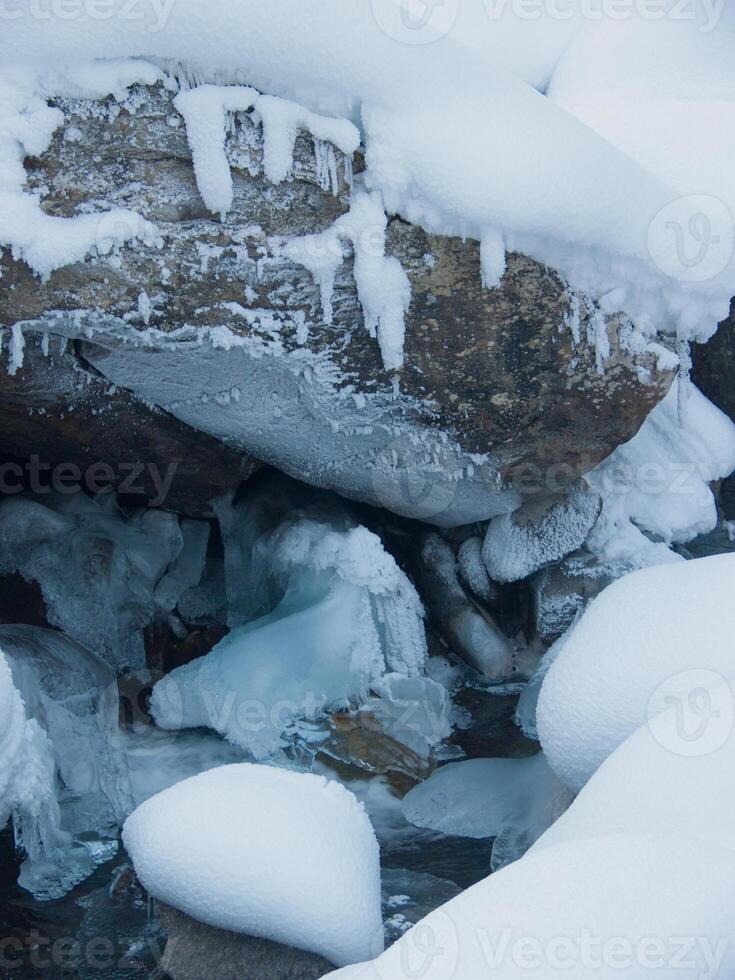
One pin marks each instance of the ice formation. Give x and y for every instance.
(282, 855)
(70, 774)
(382, 285)
(582, 908)
(72, 696)
(104, 575)
(656, 488)
(347, 615)
(512, 800)
(26, 774)
(205, 110)
(652, 635)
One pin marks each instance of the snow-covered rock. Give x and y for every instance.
(540, 533)
(609, 907)
(661, 633)
(226, 325)
(513, 800)
(266, 852)
(544, 193)
(659, 482)
(664, 779)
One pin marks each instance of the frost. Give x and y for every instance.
(519, 544)
(27, 124)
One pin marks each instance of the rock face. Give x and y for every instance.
(714, 375)
(86, 433)
(195, 951)
(213, 323)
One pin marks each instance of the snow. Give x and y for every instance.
(660, 780)
(27, 124)
(281, 855)
(513, 800)
(649, 636)
(609, 907)
(205, 112)
(662, 92)
(517, 545)
(347, 616)
(658, 484)
(458, 136)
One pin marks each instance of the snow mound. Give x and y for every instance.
(275, 854)
(652, 635)
(659, 482)
(513, 800)
(607, 907)
(663, 779)
(347, 616)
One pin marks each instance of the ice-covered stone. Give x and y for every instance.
(562, 592)
(540, 533)
(473, 573)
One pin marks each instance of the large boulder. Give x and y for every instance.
(502, 390)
